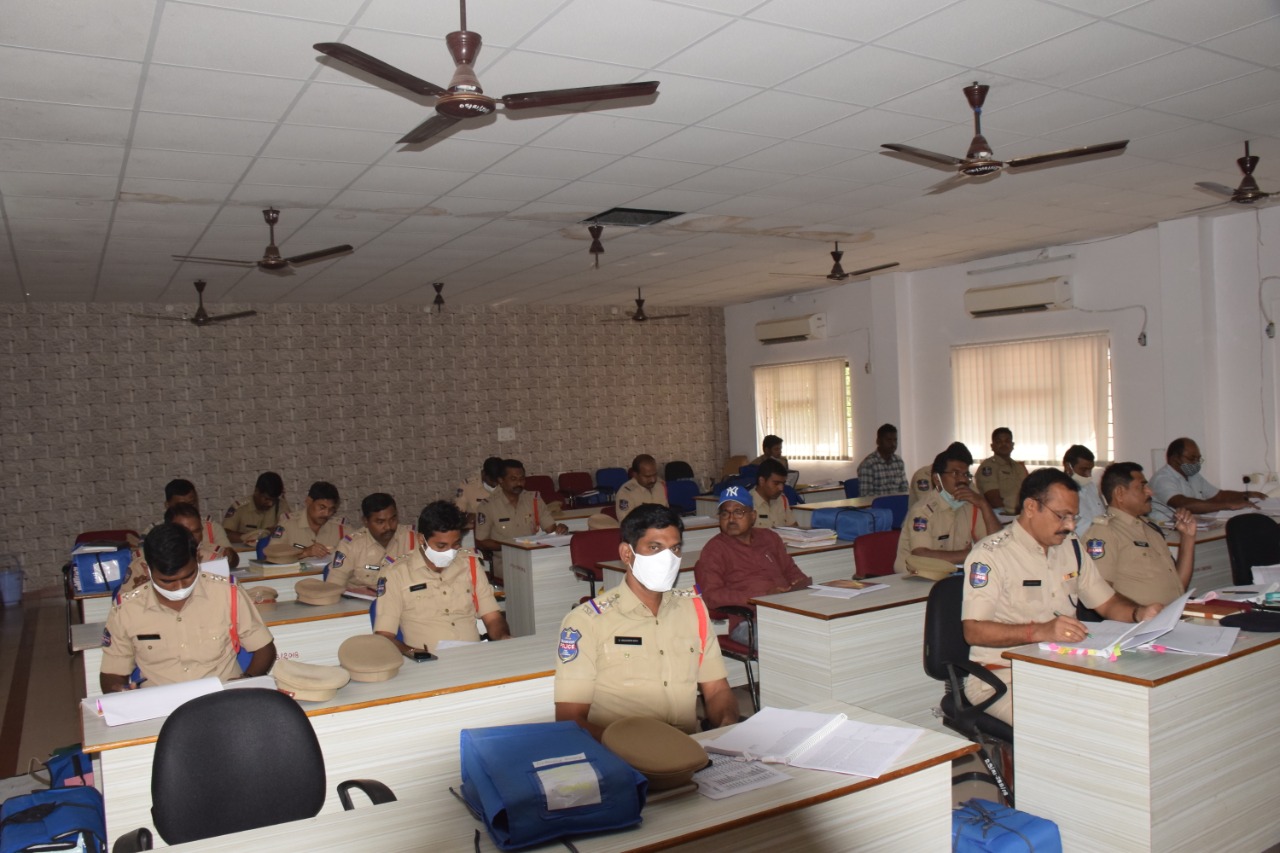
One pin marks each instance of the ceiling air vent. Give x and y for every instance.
(631, 216)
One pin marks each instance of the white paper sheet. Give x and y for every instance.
(148, 703)
(726, 777)
(219, 566)
(825, 591)
(1209, 640)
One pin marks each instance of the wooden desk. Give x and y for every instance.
(1159, 752)
(1213, 566)
(403, 732)
(868, 649)
(541, 589)
(909, 808)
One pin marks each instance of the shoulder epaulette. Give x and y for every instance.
(991, 543)
(214, 578)
(687, 592)
(599, 604)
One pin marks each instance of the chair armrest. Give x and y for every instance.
(139, 839)
(984, 675)
(733, 610)
(377, 793)
(583, 574)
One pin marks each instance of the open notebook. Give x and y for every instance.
(1108, 635)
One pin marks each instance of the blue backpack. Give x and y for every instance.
(56, 819)
(850, 522)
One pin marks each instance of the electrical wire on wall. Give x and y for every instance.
(866, 367)
(1270, 331)
(1142, 334)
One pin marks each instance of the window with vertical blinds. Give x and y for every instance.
(808, 404)
(1052, 392)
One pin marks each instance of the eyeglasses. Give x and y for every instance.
(959, 475)
(1063, 517)
(740, 512)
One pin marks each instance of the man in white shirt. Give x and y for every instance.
(1078, 463)
(1179, 485)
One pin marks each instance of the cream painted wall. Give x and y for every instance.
(1207, 370)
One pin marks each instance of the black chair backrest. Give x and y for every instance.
(677, 469)
(943, 631)
(235, 760)
(1252, 540)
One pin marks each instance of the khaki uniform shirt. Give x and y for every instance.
(921, 485)
(243, 516)
(430, 606)
(210, 532)
(775, 513)
(625, 662)
(759, 459)
(470, 493)
(497, 518)
(359, 560)
(294, 529)
(631, 494)
(1003, 474)
(933, 524)
(181, 645)
(1134, 558)
(1009, 578)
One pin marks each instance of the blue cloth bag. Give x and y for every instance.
(981, 826)
(56, 819)
(538, 782)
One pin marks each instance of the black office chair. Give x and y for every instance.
(677, 469)
(235, 760)
(946, 658)
(1252, 540)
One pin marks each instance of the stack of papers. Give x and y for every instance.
(94, 548)
(555, 540)
(149, 703)
(845, 588)
(796, 537)
(1162, 632)
(1266, 575)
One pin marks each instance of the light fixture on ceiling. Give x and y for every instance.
(438, 302)
(1019, 264)
(597, 248)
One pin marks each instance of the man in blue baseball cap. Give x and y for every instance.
(743, 562)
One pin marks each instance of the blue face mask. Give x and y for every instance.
(946, 496)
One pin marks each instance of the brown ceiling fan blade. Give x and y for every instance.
(582, 95)
(956, 180)
(218, 318)
(1068, 154)
(1216, 188)
(429, 128)
(653, 317)
(162, 317)
(202, 260)
(922, 154)
(869, 270)
(363, 61)
(799, 274)
(320, 254)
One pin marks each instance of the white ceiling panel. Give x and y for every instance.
(766, 132)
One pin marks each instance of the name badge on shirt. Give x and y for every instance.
(503, 520)
(148, 636)
(628, 641)
(1141, 544)
(944, 537)
(1031, 583)
(762, 515)
(418, 587)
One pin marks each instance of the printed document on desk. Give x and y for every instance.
(1187, 638)
(816, 741)
(1107, 635)
(844, 588)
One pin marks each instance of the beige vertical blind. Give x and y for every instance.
(1052, 392)
(807, 405)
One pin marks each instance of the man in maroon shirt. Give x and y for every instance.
(742, 562)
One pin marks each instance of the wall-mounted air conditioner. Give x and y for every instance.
(1046, 294)
(792, 329)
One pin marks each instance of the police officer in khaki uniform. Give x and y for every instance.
(950, 519)
(475, 489)
(184, 492)
(999, 475)
(204, 533)
(771, 505)
(439, 590)
(364, 556)
(1022, 584)
(643, 649)
(922, 481)
(644, 487)
(314, 532)
(180, 625)
(510, 512)
(1129, 550)
(259, 514)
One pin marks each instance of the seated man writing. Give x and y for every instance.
(743, 561)
(182, 624)
(257, 515)
(1022, 584)
(437, 591)
(312, 533)
(364, 556)
(951, 516)
(643, 649)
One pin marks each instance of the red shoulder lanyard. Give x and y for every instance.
(475, 601)
(973, 526)
(703, 619)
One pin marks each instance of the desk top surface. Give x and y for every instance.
(1147, 669)
(458, 669)
(403, 826)
(841, 503)
(690, 558)
(903, 590)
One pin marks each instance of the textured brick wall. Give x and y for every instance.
(99, 409)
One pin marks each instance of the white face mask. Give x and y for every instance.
(175, 594)
(439, 559)
(1082, 480)
(656, 572)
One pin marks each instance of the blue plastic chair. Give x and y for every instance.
(897, 504)
(373, 617)
(851, 489)
(681, 494)
(793, 497)
(611, 479)
(261, 547)
(750, 472)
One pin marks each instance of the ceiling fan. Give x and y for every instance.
(837, 272)
(979, 160)
(639, 316)
(271, 260)
(438, 302)
(1248, 191)
(597, 248)
(201, 317)
(463, 98)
